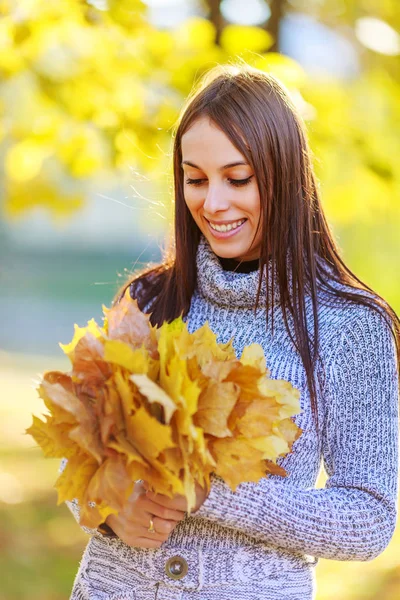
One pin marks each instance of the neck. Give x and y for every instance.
(238, 266)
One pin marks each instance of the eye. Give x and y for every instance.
(235, 182)
(240, 182)
(194, 181)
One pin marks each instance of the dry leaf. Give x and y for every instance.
(160, 404)
(214, 407)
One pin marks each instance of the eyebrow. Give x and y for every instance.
(228, 166)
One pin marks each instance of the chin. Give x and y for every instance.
(225, 249)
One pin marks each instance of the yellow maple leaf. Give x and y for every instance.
(123, 446)
(219, 370)
(73, 481)
(137, 361)
(149, 436)
(154, 393)
(215, 406)
(237, 461)
(203, 344)
(52, 437)
(86, 347)
(289, 430)
(253, 355)
(283, 393)
(91, 515)
(270, 445)
(259, 418)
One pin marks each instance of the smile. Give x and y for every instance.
(226, 231)
(228, 227)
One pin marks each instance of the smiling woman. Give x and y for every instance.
(245, 193)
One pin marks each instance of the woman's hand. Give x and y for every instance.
(177, 502)
(132, 523)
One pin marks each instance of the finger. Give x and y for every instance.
(128, 532)
(168, 514)
(176, 503)
(146, 543)
(156, 535)
(164, 527)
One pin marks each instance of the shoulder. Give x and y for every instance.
(338, 315)
(347, 314)
(146, 287)
(359, 339)
(356, 337)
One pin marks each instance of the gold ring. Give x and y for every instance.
(151, 528)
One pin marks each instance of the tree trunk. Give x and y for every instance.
(277, 13)
(216, 17)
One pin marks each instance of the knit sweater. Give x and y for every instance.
(263, 540)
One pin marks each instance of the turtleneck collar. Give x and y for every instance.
(230, 288)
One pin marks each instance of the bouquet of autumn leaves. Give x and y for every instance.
(159, 404)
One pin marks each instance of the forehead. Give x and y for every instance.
(205, 137)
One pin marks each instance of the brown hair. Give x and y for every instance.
(256, 113)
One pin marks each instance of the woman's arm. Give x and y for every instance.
(354, 516)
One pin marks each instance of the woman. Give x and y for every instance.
(254, 256)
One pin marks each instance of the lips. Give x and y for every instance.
(220, 235)
(227, 226)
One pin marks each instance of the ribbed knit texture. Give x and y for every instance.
(263, 541)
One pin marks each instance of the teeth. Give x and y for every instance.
(227, 227)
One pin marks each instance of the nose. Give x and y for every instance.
(215, 199)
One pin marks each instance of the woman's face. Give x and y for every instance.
(221, 191)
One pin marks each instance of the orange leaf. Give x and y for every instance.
(215, 406)
(259, 418)
(110, 483)
(289, 430)
(127, 323)
(87, 355)
(237, 462)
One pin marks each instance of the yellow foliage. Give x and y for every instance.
(194, 35)
(237, 38)
(284, 68)
(159, 404)
(87, 91)
(24, 160)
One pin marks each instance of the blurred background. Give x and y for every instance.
(89, 91)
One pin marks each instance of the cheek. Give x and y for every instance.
(193, 199)
(251, 203)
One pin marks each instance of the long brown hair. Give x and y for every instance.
(256, 113)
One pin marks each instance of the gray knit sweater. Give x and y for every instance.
(263, 541)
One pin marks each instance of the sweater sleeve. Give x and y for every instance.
(354, 516)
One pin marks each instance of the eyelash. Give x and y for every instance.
(235, 182)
